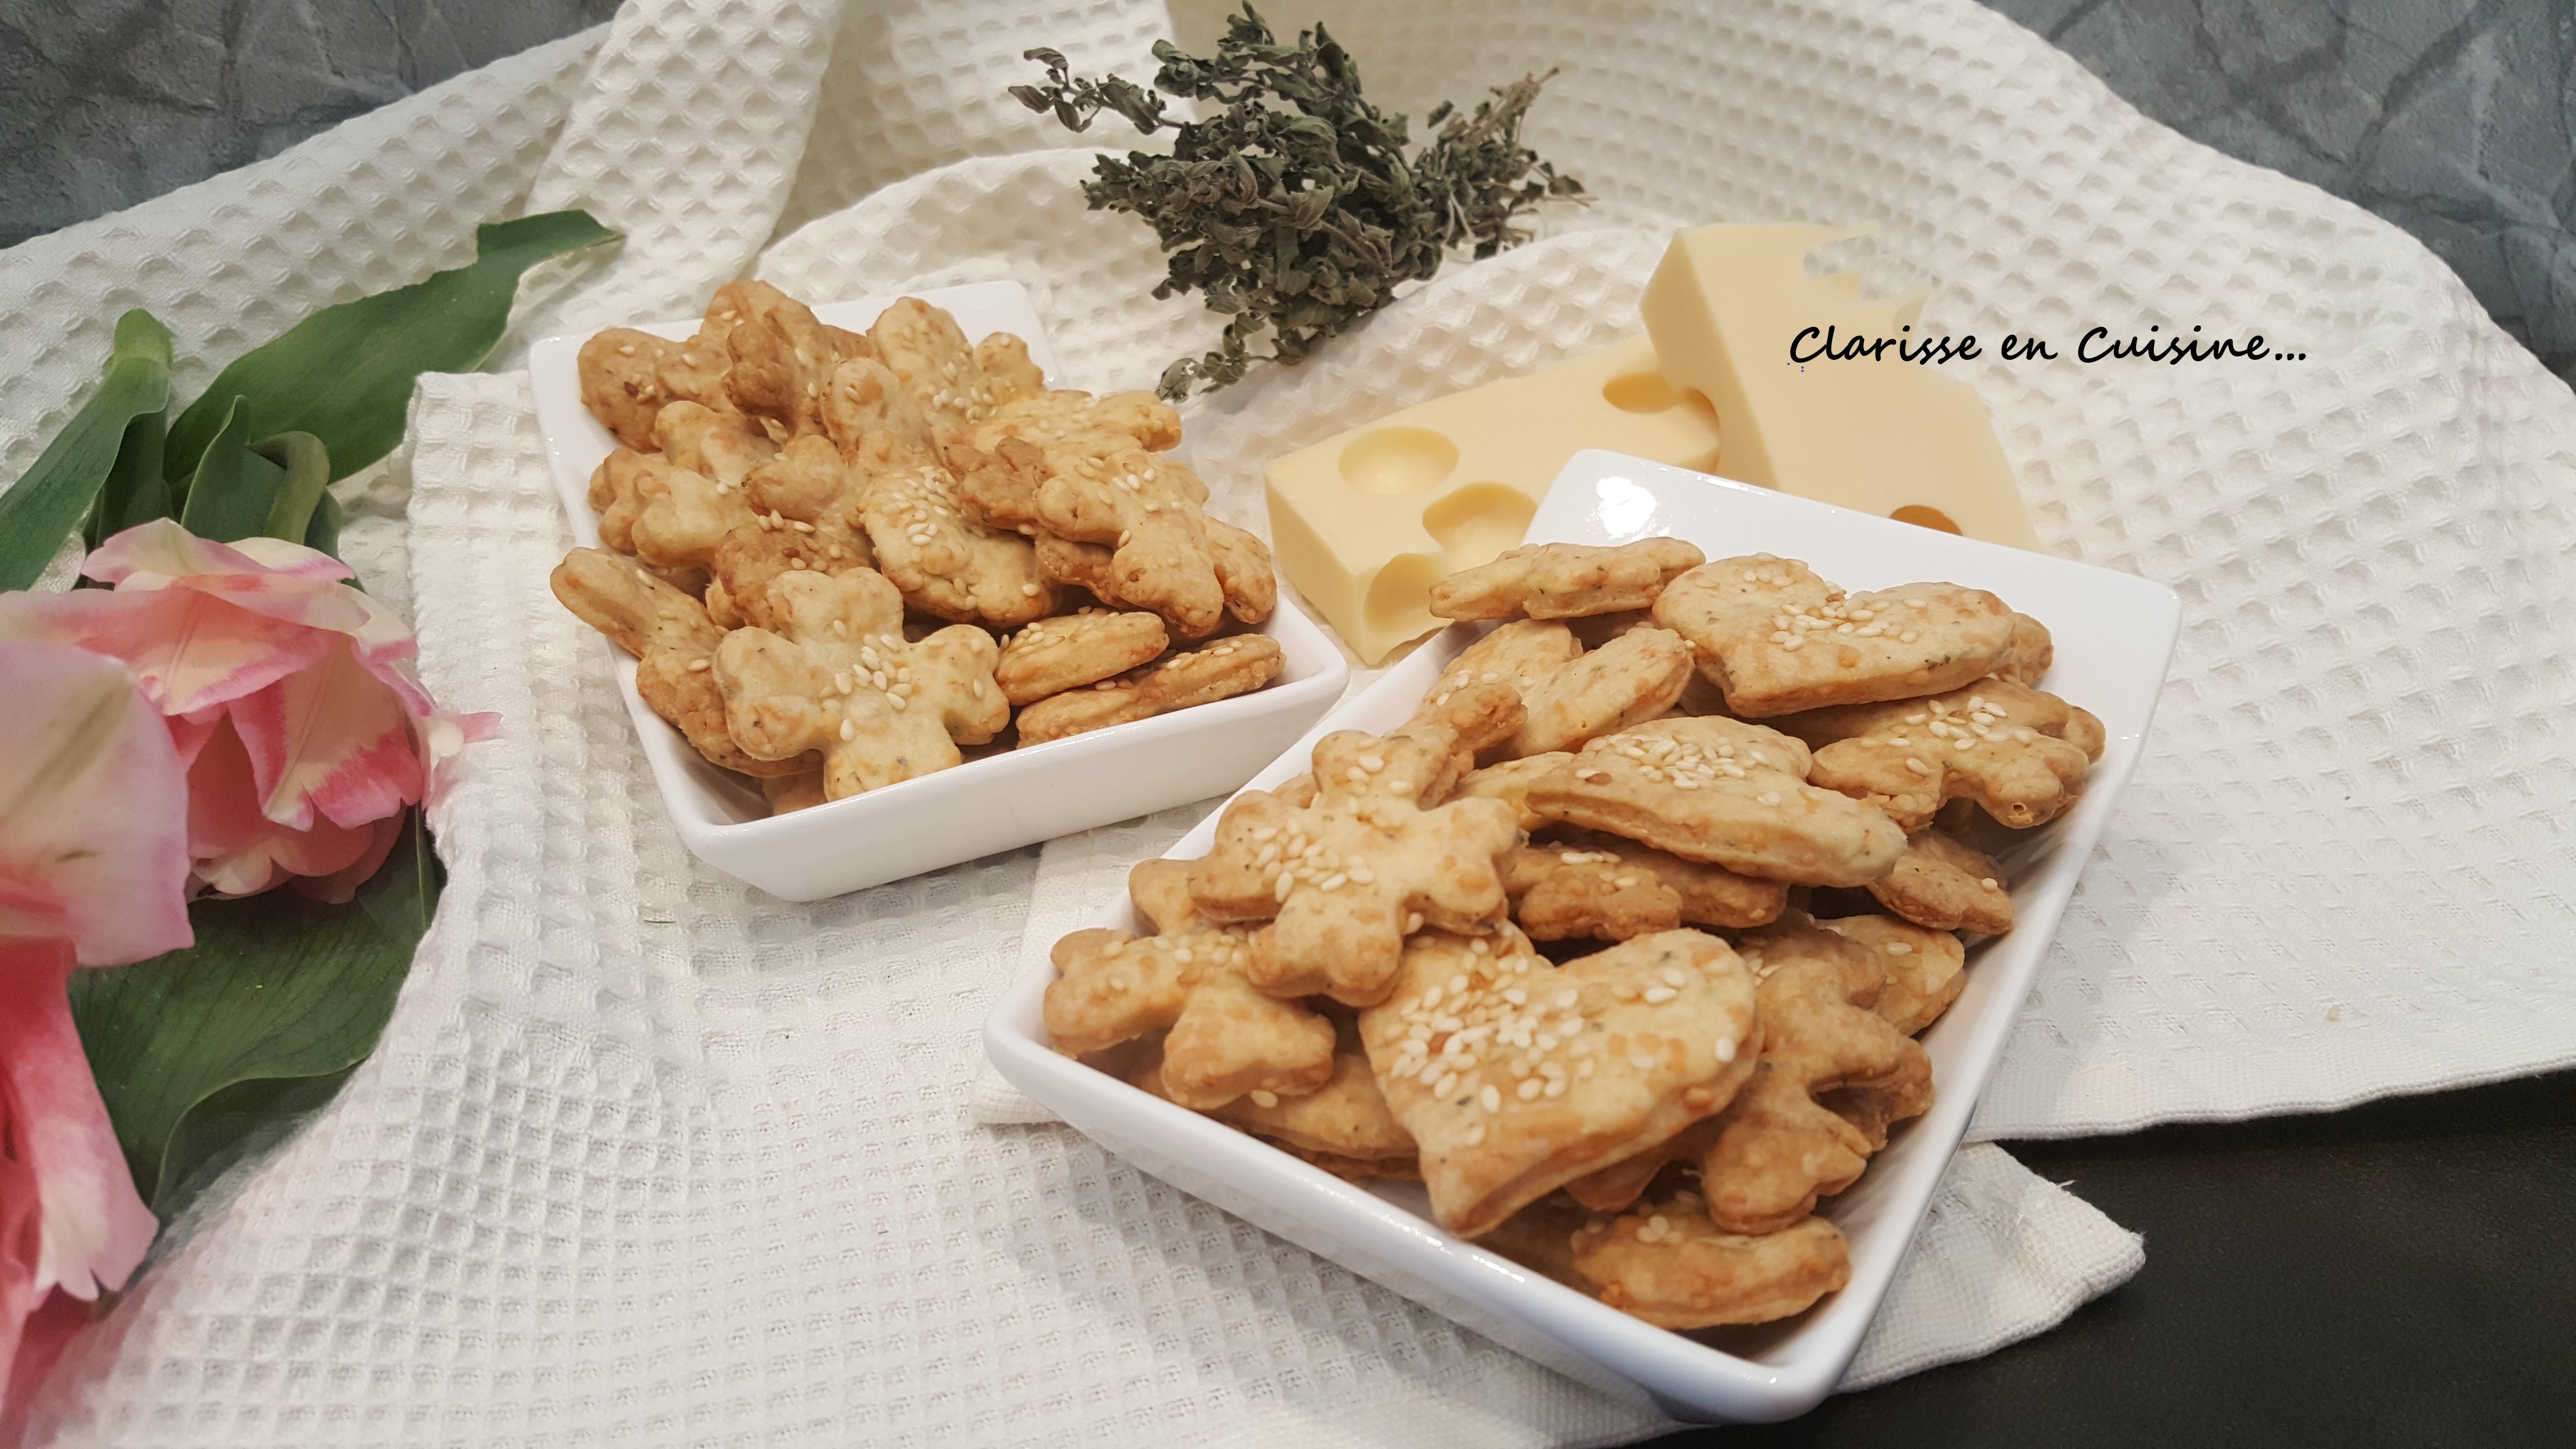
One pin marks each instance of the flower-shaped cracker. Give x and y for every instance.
(1350, 875)
(672, 640)
(1231, 666)
(712, 444)
(2019, 752)
(1633, 678)
(1776, 1147)
(837, 676)
(621, 383)
(874, 419)
(782, 358)
(1150, 510)
(1926, 968)
(1510, 780)
(1226, 1039)
(1564, 580)
(1601, 885)
(1668, 1265)
(682, 517)
(1514, 1076)
(1724, 792)
(1777, 639)
(1053, 417)
(756, 552)
(945, 562)
(959, 386)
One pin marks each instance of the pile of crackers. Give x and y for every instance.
(1620, 945)
(843, 560)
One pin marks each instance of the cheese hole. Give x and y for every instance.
(1926, 516)
(1640, 392)
(1395, 596)
(1398, 460)
(1475, 524)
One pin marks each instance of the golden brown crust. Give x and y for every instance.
(1150, 511)
(1230, 666)
(1509, 782)
(1345, 1118)
(681, 517)
(1947, 886)
(1225, 1039)
(1607, 887)
(1564, 580)
(806, 482)
(945, 562)
(957, 385)
(1778, 639)
(1926, 968)
(1514, 1076)
(1724, 792)
(1627, 681)
(1777, 1148)
(754, 553)
(621, 383)
(838, 677)
(671, 638)
(1000, 487)
(2020, 753)
(873, 419)
(1668, 1265)
(1067, 652)
(719, 446)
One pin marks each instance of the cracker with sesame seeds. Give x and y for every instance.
(1776, 1147)
(1234, 665)
(1052, 417)
(1723, 792)
(1150, 510)
(672, 639)
(1668, 1264)
(2018, 752)
(681, 517)
(1926, 967)
(805, 482)
(957, 385)
(613, 495)
(945, 562)
(1565, 580)
(1588, 884)
(756, 552)
(621, 383)
(1224, 1040)
(1514, 1076)
(1000, 487)
(1350, 875)
(1518, 655)
(1633, 678)
(2027, 657)
(1072, 650)
(1947, 886)
(1778, 639)
(782, 358)
(837, 676)
(874, 419)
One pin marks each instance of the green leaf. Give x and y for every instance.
(345, 373)
(308, 472)
(135, 492)
(43, 507)
(195, 1049)
(324, 531)
(234, 489)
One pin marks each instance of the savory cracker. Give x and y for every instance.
(1667, 1264)
(1629, 680)
(782, 358)
(874, 420)
(1778, 639)
(1149, 510)
(1231, 666)
(1514, 1076)
(1947, 886)
(2016, 751)
(945, 562)
(682, 516)
(711, 444)
(1926, 968)
(616, 495)
(1509, 782)
(621, 383)
(1000, 486)
(807, 482)
(1054, 655)
(1777, 1148)
(754, 553)
(672, 639)
(1724, 792)
(1565, 580)
(1606, 887)
(1364, 865)
(958, 385)
(1052, 417)
(838, 676)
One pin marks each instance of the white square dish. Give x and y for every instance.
(2114, 635)
(996, 803)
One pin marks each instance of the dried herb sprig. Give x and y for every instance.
(1293, 207)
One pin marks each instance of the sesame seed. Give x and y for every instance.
(1264, 1099)
(1989, 883)
(1528, 1090)
(1490, 1097)
(1725, 1048)
(1673, 976)
(849, 731)
(700, 666)
(1899, 948)
(1658, 995)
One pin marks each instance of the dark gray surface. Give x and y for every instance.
(104, 103)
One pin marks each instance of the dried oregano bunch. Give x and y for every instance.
(1293, 206)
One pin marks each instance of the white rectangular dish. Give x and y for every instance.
(996, 803)
(2114, 635)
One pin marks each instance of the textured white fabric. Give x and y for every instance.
(646, 1157)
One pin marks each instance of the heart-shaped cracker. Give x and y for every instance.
(1514, 1076)
(1225, 1039)
(837, 676)
(1778, 639)
(2019, 752)
(1722, 791)
(1564, 580)
(1349, 875)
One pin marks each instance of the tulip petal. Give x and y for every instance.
(162, 548)
(92, 1226)
(331, 738)
(239, 851)
(93, 808)
(190, 650)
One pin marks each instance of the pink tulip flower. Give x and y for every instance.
(94, 871)
(290, 697)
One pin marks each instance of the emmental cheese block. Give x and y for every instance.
(1365, 522)
(1880, 435)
